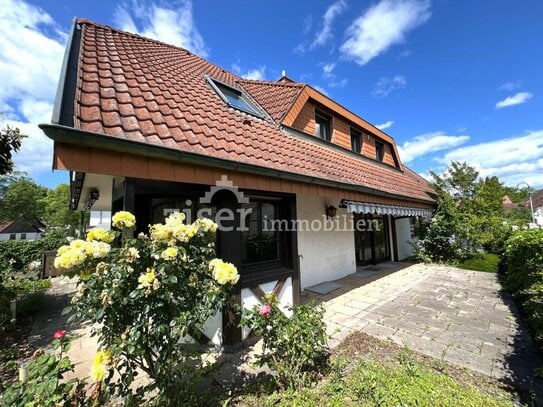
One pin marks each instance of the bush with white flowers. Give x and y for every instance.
(146, 295)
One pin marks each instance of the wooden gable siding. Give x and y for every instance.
(98, 161)
(341, 131)
(301, 116)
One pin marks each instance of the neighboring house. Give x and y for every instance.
(152, 128)
(22, 229)
(537, 202)
(508, 204)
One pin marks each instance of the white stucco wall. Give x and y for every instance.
(403, 237)
(100, 219)
(29, 236)
(325, 255)
(538, 215)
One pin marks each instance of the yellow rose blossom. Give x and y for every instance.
(98, 372)
(101, 235)
(71, 256)
(160, 233)
(77, 257)
(62, 250)
(206, 225)
(123, 220)
(62, 261)
(192, 230)
(97, 249)
(132, 254)
(223, 272)
(100, 366)
(147, 279)
(77, 244)
(169, 254)
(180, 232)
(175, 219)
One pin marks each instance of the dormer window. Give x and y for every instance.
(356, 141)
(379, 151)
(234, 97)
(322, 126)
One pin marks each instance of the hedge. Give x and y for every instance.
(524, 276)
(21, 253)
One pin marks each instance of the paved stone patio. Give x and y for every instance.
(444, 312)
(456, 315)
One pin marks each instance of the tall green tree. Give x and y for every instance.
(468, 216)
(10, 142)
(57, 213)
(22, 197)
(517, 195)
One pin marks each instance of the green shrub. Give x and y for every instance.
(17, 254)
(524, 259)
(524, 276)
(42, 383)
(295, 347)
(144, 298)
(488, 262)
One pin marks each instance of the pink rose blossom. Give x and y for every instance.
(59, 334)
(264, 310)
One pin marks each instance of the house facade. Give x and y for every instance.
(22, 229)
(306, 191)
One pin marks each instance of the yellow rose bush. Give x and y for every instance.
(145, 295)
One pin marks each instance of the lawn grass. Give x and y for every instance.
(369, 372)
(482, 262)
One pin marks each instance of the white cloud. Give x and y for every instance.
(385, 125)
(308, 23)
(330, 76)
(405, 54)
(381, 26)
(254, 74)
(32, 49)
(512, 85)
(325, 34)
(328, 68)
(516, 99)
(429, 143)
(173, 24)
(338, 83)
(36, 154)
(385, 86)
(512, 159)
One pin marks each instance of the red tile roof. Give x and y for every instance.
(139, 89)
(275, 97)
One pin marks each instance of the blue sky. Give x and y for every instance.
(448, 79)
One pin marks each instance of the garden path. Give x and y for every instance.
(460, 316)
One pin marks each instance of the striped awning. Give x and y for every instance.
(371, 208)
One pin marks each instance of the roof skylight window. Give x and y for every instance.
(234, 98)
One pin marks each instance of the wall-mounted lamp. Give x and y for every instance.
(94, 194)
(331, 212)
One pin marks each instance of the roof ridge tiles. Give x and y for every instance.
(273, 83)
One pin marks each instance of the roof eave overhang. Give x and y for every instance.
(82, 138)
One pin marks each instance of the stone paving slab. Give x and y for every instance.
(460, 316)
